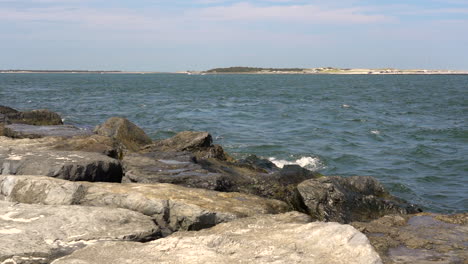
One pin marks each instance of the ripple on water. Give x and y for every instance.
(287, 117)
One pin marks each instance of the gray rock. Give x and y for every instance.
(422, 238)
(94, 143)
(41, 233)
(40, 117)
(286, 238)
(172, 207)
(258, 164)
(190, 159)
(7, 110)
(198, 143)
(31, 131)
(344, 200)
(18, 158)
(172, 167)
(124, 131)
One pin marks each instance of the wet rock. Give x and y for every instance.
(22, 159)
(41, 233)
(31, 131)
(422, 238)
(286, 238)
(184, 168)
(7, 110)
(40, 117)
(172, 167)
(198, 143)
(258, 164)
(183, 160)
(293, 174)
(124, 131)
(350, 199)
(172, 207)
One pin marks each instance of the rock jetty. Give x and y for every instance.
(113, 195)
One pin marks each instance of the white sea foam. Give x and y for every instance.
(311, 163)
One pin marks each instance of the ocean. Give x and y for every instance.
(408, 131)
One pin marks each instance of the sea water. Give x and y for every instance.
(409, 131)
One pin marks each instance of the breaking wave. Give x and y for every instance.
(311, 163)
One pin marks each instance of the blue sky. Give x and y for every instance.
(155, 35)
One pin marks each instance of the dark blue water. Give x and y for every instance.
(409, 131)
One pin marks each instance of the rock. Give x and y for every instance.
(422, 238)
(124, 131)
(186, 169)
(40, 117)
(293, 174)
(7, 110)
(190, 159)
(41, 233)
(350, 199)
(93, 143)
(172, 167)
(172, 207)
(198, 143)
(4, 111)
(286, 238)
(20, 159)
(30, 131)
(256, 163)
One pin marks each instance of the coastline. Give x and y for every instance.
(269, 71)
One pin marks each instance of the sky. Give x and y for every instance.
(179, 35)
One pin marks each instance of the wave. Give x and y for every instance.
(311, 163)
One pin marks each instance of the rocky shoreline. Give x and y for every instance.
(113, 195)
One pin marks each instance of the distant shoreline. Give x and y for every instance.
(264, 71)
(326, 70)
(76, 72)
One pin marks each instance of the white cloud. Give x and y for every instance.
(290, 13)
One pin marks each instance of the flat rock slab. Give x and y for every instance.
(422, 238)
(40, 233)
(31, 131)
(23, 159)
(357, 198)
(171, 167)
(172, 207)
(285, 238)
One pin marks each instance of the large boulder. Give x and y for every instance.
(190, 159)
(124, 131)
(20, 158)
(7, 110)
(198, 143)
(357, 198)
(172, 167)
(93, 143)
(40, 117)
(31, 131)
(4, 112)
(41, 233)
(422, 238)
(285, 238)
(9, 115)
(186, 169)
(172, 207)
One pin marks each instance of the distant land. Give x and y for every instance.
(321, 70)
(255, 70)
(72, 71)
